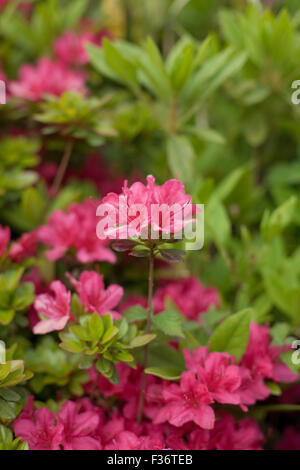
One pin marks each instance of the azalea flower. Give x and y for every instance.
(70, 47)
(79, 428)
(217, 371)
(228, 435)
(94, 296)
(53, 311)
(4, 239)
(188, 294)
(75, 229)
(46, 77)
(132, 213)
(261, 361)
(42, 430)
(185, 402)
(24, 248)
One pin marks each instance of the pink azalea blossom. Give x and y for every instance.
(141, 199)
(93, 294)
(70, 47)
(185, 402)
(53, 311)
(228, 435)
(73, 428)
(189, 295)
(79, 428)
(217, 371)
(75, 229)
(24, 248)
(3, 3)
(261, 361)
(4, 239)
(42, 430)
(47, 77)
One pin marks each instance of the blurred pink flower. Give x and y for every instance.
(79, 428)
(70, 47)
(228, 435)
(42, 430)
(94, 296)
(261, 361)
(53, 311)
(24, 248)
(189, 295)
(4, 239)
(75, 229)
(46, 77)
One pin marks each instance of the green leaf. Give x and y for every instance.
(218, 223)
(96, 326)
(24, 296)
(6, 316)
(33, 206)
(124, 70)
(274, 388)
(207, 72)
(104, 366)
(109, 334)
(167, 373)
(273, 224)
(6, 410)
(71, 343)
(135, 313)
(9, 395)
(206, 134)
(86, 362)
(181, 158)
(169, 322)
(232, 334)
(80, 332)
(142, 340)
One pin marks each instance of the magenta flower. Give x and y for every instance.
(135, 210)
(189, 295)
(228, 435)
(53, 311)
(70, 47)
(188, 401)
(60, 233)
(75, 229)
(42, 430)
(79, 428)
(4, 239)
(24, 248)
(93, 294)
(217, 371)
(259, 362)
(47, 77)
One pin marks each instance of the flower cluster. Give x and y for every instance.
(75, 229)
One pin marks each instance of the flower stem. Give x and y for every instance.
(62, 168)
(148, 326)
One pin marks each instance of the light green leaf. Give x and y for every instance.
(232, 334)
